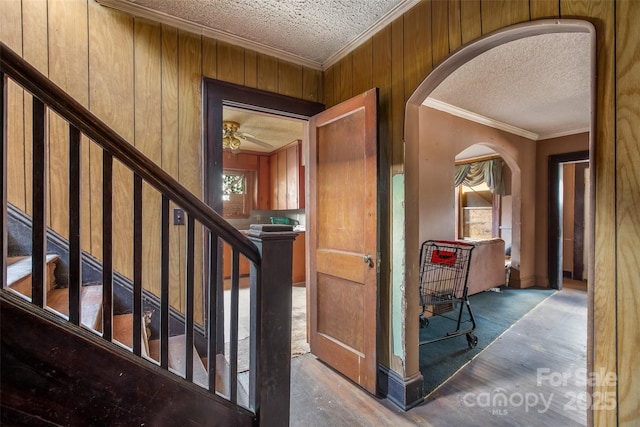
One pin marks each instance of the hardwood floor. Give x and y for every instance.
(534, 375)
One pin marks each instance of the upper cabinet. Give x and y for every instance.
(287, 177)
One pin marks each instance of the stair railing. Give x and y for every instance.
(269, 252)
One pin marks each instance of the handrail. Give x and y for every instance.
(89, 124)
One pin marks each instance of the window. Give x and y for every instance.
(236, 200)
(476, 212)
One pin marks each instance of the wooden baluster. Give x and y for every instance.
(75, 254)
(39, 226)
(137, 265)
(189, 300)
(3, 184)
(233, 330)
(212, 310)
(164, 286)
(107, 246)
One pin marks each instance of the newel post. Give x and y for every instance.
(269, 390)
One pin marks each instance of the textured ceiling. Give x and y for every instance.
(540, 84)
(311, 30)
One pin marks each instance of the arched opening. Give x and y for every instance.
(434, 136)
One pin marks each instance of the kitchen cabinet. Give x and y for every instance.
(299, 259)
(287, 177)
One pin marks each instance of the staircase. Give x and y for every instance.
(70, 354)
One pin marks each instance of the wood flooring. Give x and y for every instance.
(534, 375)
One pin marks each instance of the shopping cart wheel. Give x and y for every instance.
(424, 322)
(472, 340)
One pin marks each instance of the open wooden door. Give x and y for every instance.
(343, 179)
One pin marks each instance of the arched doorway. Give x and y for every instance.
(426, 164)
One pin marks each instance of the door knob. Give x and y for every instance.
(367, 260)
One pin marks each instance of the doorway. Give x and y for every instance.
(560, 249)
(428, 155)
(218, 95)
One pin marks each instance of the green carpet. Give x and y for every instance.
(494, 313)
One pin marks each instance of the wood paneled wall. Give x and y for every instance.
(144, 80)
(400, 56)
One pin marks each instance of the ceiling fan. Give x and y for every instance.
(231, 136)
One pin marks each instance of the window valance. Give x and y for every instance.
(473, 174)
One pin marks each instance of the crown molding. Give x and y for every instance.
(385, 20)
(565, 133)
(474, 117)
(163, 18)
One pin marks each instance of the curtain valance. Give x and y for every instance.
(473, 174)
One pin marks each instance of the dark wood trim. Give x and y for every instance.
(137, 264)
(107, 246)
(578, 223)
(217, 94)
(75, 216)
(554, 236)
(39, 230)
(164, 286)
(3, 184)
(405, 393)
(189, 297)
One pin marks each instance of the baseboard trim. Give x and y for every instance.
(405, 393)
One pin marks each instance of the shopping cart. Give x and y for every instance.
(444, 269)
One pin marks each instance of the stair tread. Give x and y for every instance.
(19, 270)
(123, 332)
(177, 358)
(19, 267)
(90, 304)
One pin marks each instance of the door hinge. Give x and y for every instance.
(378, 263)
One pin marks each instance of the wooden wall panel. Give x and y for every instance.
(498, 14)
(171, 153)
(230, 63)
(148, 139)
(209, 58)
(312, 85)
(455, 25)
(250, 68)
(627, 201)
(111, 98)
(189, 95)
(34, 46)
(289, 79)
(329, 92)
(11, 33)
(397, 95)
(440, 29)
(470, 20)
(363, 62)
(267, 73)
(67, 35)
(541, 9)
(344, 85)
(417, 46)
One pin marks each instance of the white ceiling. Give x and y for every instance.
(538, 87)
